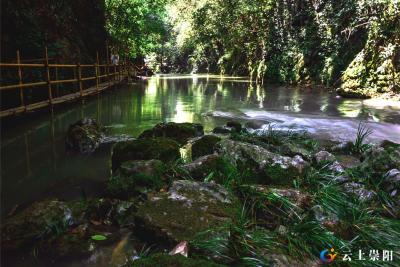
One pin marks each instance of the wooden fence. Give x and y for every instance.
(111, 75)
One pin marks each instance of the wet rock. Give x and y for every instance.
(204, 146)
(163, 149)
(391, 182)
(84, 136)
(203, 166)
(235, 126)
(268, 166)
(222, 130)
(201, 206)
(359, 191)
(38, 221)
(254, 124)
(180, 132)
(172, 260)
(323, 156)
(136, 177)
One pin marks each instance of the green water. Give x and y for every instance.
(35, 165)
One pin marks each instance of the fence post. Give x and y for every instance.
(57, 85)
(80, 79)
(107, 65)
(48, 76)
(97, 71)
(21, 90)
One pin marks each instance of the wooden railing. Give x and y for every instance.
(111, 75)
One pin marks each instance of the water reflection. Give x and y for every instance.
(35, 164)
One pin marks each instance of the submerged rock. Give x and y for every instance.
(187, 209)
(135, 177)
(84, 136)
(270, 167)
(204, 146)
(163, 149)
(38, 221)
(180, 132)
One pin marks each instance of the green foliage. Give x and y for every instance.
(362, 133)
(136, 27)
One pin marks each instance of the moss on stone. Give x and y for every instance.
(164, 149)
(180, 132)
(204, 146)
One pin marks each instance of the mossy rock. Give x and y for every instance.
(379, 160)
(164, 149)
(215, 167)
(204, 146)
(180, 132)
(187, 209)
(110, 211)
(267, 167)
(84, 136)
(165, 260)
(136, 177)
(40, 220)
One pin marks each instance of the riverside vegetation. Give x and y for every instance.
(239, 197)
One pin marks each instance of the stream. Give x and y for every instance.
(35, 165)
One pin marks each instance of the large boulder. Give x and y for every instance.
(180, 132)
(38, 221)
(271, 168)
(84, 136)
(187, 209)
(164, 149)
(204, 146)
(136, 177)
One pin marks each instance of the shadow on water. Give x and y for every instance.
(35, 164)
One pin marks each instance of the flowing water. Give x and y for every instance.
(35, 165)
